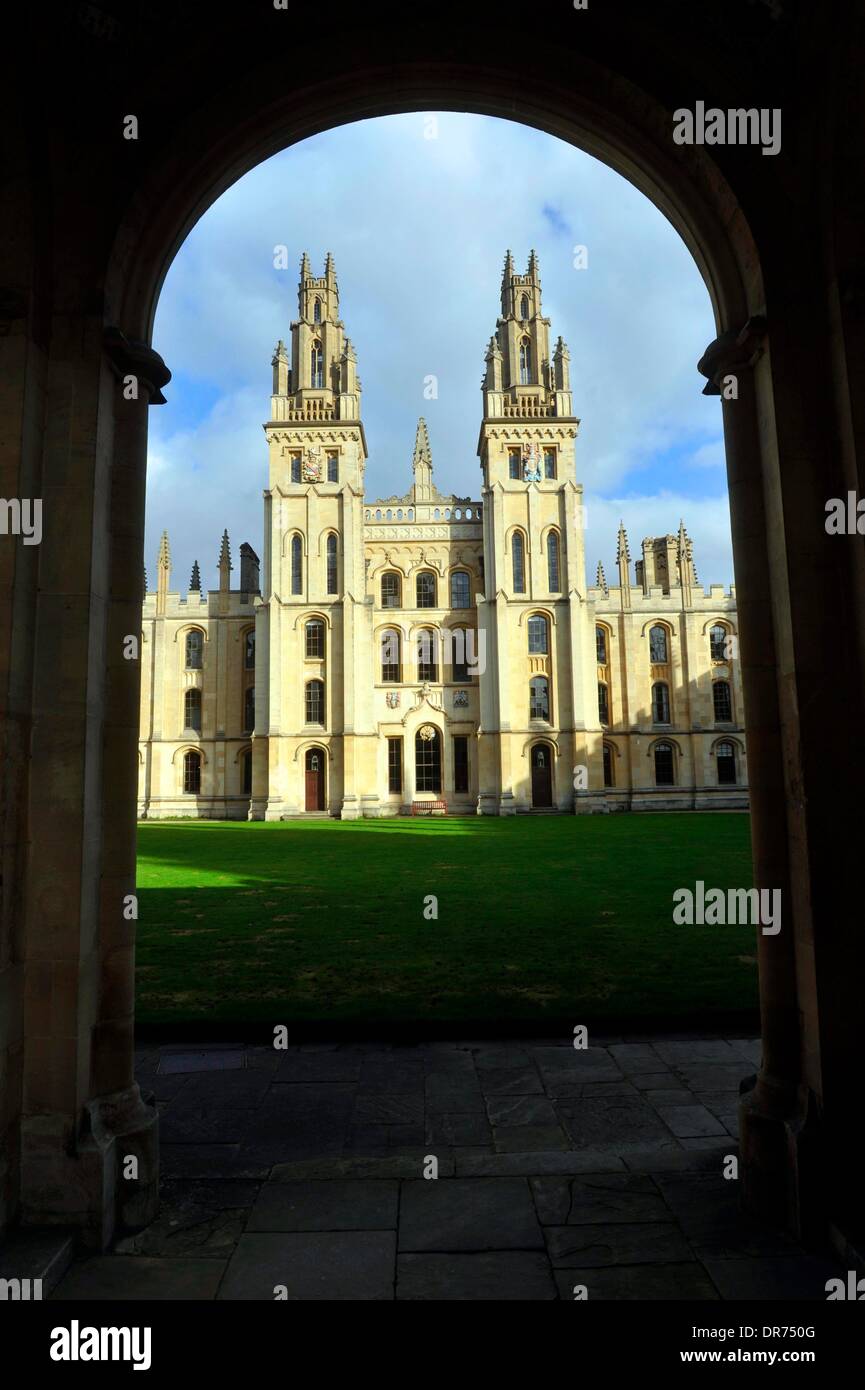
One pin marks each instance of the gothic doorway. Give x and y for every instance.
(315, 779)
(542, 775)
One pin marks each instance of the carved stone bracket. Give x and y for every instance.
(131, 358)
(735, 350)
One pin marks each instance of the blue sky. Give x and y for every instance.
(418, 228)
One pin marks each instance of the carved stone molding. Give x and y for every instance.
(131, 358)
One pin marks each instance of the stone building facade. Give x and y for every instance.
(436, 653)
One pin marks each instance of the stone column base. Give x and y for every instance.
(350, 807)
(107, 1182)
(779, 1153)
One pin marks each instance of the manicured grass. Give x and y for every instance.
(551, 918)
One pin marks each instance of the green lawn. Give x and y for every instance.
(565, 919)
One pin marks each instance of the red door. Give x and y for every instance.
(315, 780)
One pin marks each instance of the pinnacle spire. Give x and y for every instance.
(195, 578)
(422, 467)
(601, 578)
(164, 560)
(622, 550)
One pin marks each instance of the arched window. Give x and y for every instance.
(296, 565)
(722, 701)
(390, 655)
(660, 703)
(525, 362)
(538, 634)
(603, 703)
(331, 564)
(391, 590)
(246, 773)
(249, 650)
(249, 709)
(726, 756)
(553, 561)
(428, 759)
(192, 710)
(192, 773)
(459, 655)
(194, 649)
(315, 638)
(718, 642)
(460, 590)
(664, 770)
(524, 306)
(315, 702)
(549, 463)
(518, 560)
(539, 698)
(658, 644)
(601, 645)
(427, 663)
(426, 590)
(316, 365)
(316, 311)
(609, 766)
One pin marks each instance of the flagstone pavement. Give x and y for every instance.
(301, 1174)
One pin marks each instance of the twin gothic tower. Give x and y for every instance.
(436, 653)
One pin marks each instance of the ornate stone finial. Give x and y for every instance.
(601, 578)
(144, 576)
(622, 550)
(164, 561)
(195, 579)
(225, 551)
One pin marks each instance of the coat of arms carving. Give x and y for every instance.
(531, 463)
(392, 699)
(312, 464)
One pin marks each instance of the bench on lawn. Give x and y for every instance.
(428, 808)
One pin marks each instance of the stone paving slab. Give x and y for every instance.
(209, 1059)
(601, 1121)
(313, 1266)
(526, 1164)
(616, 1244)
(512, 1139)
(134, 1277)
(353, 1204)
(690, 1121)
(677, 1282)
(490, 1275)
(510, 1081)
(468, 1214)
(599, 1199)
(521, 1110)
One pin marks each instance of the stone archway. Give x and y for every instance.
(82, 325)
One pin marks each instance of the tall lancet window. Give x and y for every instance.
(316, 365)
(524, 307)
(316, 312)
(525, 362)
(331, 564)
(296, 565)
(553, 562)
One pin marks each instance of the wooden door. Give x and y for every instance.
(542, 775)
(315, 780)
